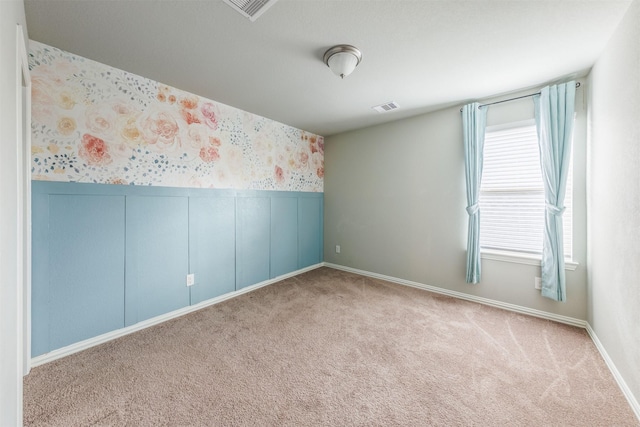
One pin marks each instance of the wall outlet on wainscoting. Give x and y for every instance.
(337, 249)
(538, 283)
(191, 279)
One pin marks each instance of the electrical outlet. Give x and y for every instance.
(337, 249)
(191, 279)
(538, 283)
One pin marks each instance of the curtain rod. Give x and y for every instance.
(513, 99)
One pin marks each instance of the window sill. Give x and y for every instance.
(519, 258)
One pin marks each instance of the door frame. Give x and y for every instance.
(23, 202)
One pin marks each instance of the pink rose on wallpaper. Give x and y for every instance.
(209, 154)
(189, 102)
(100, 118)
(43, 105)
(317, 162)
(50, 73)
(123, 108)
(209, 112)
(94, 150)
(279, 174)
(189, 117)
(316, 144)
(41, 91)
(197, 136)
(160, 127)
(303, 159)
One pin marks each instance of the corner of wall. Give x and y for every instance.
(614, 198)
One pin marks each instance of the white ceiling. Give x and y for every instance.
(422, 54)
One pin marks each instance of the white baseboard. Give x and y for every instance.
(486, 301)
(633, 402)
(92, 342)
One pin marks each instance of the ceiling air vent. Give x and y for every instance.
(385, 108)
(251, 9)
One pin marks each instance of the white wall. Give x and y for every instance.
(614, 199)
(11, 13)
(395, 203)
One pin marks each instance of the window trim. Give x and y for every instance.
(521, 258)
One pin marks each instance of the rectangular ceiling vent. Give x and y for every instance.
(251, 9)
(385, 108)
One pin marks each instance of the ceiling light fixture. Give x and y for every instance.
(342, 59)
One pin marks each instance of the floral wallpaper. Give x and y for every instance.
(94, 123)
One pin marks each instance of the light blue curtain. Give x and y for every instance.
(474, 122)
(554, 109)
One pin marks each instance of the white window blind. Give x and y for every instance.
(512, 208)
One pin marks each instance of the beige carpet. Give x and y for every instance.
(332, 348)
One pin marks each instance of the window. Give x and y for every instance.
(512, 193)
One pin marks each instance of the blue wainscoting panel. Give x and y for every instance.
(284, 235)
(212, 246)
(253, 225)
(309, 231)
(157, 256)
(109, 256)
(40, 274)
(86, 267)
